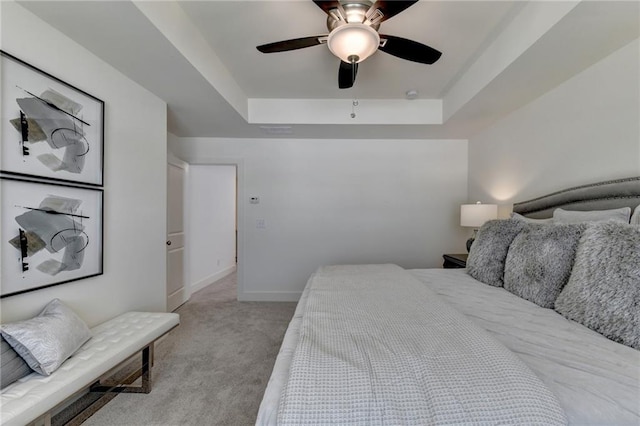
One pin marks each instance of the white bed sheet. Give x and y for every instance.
(596, 380)
(268, 412)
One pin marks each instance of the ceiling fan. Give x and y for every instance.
(353, 36)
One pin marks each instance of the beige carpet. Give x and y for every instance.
(213, 368)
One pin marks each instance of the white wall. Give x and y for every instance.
(212, 223)
(338, 201)
(584, 131)
(135, 174)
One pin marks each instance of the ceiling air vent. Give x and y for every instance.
(277, 130)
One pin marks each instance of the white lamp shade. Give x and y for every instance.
(353, 40)
(475, 215)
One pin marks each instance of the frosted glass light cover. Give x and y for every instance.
(353, 40)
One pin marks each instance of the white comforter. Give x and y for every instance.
(596, 380)
(376, 347)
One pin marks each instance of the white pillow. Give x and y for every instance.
(570, 216)
(47, 340)
(635, 217)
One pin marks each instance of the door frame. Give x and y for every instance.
(175, 161)
(240, 218)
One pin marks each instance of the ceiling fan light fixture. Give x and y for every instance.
(353, 42)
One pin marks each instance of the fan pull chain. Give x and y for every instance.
(354, 104)
(354, 68)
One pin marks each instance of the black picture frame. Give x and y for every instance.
(49, 128)
(50, 233)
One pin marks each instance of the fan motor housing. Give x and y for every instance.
(356, 12)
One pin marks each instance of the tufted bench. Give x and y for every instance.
(34, 397)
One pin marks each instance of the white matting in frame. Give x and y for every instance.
(49, 129)
(50, 234)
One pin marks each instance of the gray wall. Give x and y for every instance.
(583, 131)
(135, 171)
(338, 201)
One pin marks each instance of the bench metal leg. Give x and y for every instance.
(125, 385)
(44, 420)
(111, 389)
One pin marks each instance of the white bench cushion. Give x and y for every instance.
(112, 343)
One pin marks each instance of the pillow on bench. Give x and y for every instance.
(47, 340)
(12, 366)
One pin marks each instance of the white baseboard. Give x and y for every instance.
(199, 285)
(269, 296)
(176, 299)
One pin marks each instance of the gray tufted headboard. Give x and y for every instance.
(611, 194)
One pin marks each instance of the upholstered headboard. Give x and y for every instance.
(611, 194)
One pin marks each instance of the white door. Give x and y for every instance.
(177, 293)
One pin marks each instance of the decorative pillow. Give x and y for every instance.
(570, 216)
(518, 216)
(603, 292)
(489, 250)
(47, 340)
(12, 366)
(539, 261)
(635, 217)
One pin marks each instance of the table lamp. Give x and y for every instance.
(475, 215)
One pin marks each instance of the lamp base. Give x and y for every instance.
(469, 242)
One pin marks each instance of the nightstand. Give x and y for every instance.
(455, 260)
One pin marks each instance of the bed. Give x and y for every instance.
(377, 344)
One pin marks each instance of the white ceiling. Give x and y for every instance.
(200, 57)
(312, 72)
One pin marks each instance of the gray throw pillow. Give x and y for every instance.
(47, 340)
(603, 292)
(622, 214)
(489, 250)
(12, 366)
(539, 262)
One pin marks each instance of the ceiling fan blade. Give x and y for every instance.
(408, 49)
(391, 8)
(327, 5)
(347, 74)
(293, 44)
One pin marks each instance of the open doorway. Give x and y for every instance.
(213, 223)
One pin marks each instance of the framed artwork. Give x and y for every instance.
(50, 233)
(49, 129)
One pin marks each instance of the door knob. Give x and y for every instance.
(169, 242)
